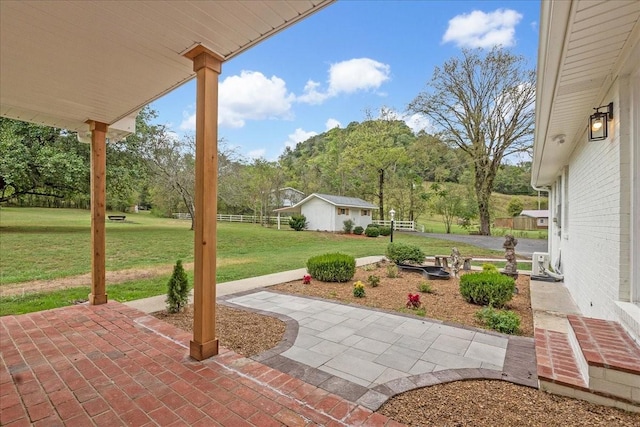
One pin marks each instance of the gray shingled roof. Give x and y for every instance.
(353, 202)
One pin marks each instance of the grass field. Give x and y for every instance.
(38, 243)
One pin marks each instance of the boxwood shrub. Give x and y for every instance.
(504, 321)
(487, 288)
(334, 267)
(384, 231)
(358, 230)
(372, 232)
(401, 252)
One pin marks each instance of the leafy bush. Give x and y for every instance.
(488, 267)
(384, 231)
(347, 226)
(425, 287)
(358, 230)
(487, 288)
(177, 289)
(401, 252)
(373, 281)
(298, 222)
(358, 289)
(392, 271)
(372, 232)
(504, 321)
(334, 267)
(413, 301)
(372, 225)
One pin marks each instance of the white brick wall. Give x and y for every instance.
(595, 234)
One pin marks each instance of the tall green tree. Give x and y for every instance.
(483, 103)
(41, 161)
(376, 148)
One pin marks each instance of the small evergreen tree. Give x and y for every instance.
(178, 289)
(298, 222)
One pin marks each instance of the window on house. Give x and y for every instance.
(365, 212)
(343, 211)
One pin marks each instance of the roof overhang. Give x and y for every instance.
(63, 63)
(584, 45)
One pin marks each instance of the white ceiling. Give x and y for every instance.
(583, 45)
(65, 62)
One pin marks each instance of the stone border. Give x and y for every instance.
(520, 366)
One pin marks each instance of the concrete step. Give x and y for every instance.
(595, 361)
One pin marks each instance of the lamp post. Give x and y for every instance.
(393, 214)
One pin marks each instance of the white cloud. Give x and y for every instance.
(297, 136)
(484, 30)
(357, 74)
(256, 154)
(311, 94)
(353, 75)
(332, 123)
(418, 122)
(249, 96)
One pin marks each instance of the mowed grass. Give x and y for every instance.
(38, 243)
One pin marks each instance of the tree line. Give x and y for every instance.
(480, 106)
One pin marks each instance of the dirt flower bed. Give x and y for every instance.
(241, 331)
(443, 303)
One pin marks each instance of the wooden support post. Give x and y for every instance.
(98, 293)
(207, 66)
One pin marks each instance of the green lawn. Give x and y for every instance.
(38, 243)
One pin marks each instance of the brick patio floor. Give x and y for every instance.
(113, 365)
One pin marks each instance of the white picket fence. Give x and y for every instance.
(237, 218)
(397, 225)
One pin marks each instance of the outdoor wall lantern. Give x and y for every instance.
(598, 127)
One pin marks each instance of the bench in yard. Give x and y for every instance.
(443, 261)
(116, 217)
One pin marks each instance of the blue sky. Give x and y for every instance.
(350, 57)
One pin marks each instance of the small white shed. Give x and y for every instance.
(325, 212)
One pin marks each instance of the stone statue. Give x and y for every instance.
(456, 261)
(509, 245)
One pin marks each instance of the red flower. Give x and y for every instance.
(413, 301)
(306, 279)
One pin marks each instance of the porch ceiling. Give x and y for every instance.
(65, 62)
(583, 46)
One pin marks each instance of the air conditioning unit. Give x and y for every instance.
(537, 259)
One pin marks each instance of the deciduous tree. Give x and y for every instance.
(482, 102)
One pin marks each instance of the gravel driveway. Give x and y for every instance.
(525, 247)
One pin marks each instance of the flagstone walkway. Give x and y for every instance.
(367, 355)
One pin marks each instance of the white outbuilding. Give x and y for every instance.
(325, 212)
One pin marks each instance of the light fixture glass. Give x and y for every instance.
(598, 123)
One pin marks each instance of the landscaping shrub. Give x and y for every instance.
(487, 288)
(392, 271)
(334, 267)
(504, 321)
(372, 232)
(358, 289)
(177, 289)
(358, 230)
(372, 225)
(373, 281)
(425, 287)
(347, 226)
(298, 222)
(491, 268)
(384, 231)
(401, 252)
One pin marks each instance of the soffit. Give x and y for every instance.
(65, 62)
(583, 45)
